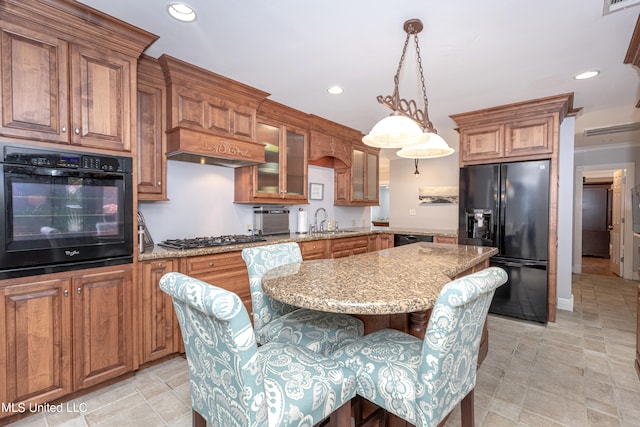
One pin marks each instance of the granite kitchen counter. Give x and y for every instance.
(159, 252)
(404, 279)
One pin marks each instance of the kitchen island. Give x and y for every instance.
(393, 287)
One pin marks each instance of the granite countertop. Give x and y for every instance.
(159, 252)
(404, 279)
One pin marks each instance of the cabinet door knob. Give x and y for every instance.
(64, 129)
(159, 184)
(77, 131)
(66, 292)
(79, 291)
(160, 265)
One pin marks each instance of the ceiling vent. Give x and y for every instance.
(604, 130)
(611, 6)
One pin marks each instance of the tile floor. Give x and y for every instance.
(576, 372)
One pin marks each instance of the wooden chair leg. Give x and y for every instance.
(467, 416)
(341, 417)
(356, 410)
(197, 420)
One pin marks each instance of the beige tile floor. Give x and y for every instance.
(577, 371)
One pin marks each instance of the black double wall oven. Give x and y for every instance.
(63, 211)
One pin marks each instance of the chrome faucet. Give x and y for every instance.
(315, 220)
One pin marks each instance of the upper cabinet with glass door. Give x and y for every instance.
(283, 176)
(358, 185)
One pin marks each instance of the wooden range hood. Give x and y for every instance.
(211, 119)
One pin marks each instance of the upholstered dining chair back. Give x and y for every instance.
(447, 372)
(259, 260)
(319, 331)
(421, 381)
(235, 383)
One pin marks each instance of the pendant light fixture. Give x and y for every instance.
(408, 127)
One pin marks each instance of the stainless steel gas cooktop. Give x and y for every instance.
(208, 242)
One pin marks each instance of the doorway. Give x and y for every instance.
(604, 172)
(597, 200)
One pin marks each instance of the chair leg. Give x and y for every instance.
(341, 417)
(197, 420)
(467, 411)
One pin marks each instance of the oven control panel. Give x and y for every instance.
(39, 158)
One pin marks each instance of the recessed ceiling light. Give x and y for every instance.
(182, 12)
(335, 90)
(586, 75)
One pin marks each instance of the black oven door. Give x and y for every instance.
(57, 219)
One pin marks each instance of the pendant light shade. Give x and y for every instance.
(408, 127)
(434, 147)
(395, 131)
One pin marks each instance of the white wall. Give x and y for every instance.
(201, 204)
(565, 215)
(403, 193)
(381, 211)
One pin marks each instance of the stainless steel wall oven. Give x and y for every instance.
(63, 211)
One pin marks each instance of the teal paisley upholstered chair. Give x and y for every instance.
(422, 381)
(273, 320)
(236, 384)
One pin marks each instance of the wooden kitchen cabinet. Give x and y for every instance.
(76, 90)
(226, 270)
(102, 326)
(36, 343)
(150, 137)
(521, 131)
(359, 184)
(159, 326)
(380, 241)
(329, 143)
(76, 330)
(283, 177)
(313, 249)
(348, 246)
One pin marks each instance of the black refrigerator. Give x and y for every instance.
(506, 205)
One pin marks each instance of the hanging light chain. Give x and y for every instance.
(428, 126)
(409, 108)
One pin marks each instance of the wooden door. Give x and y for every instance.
(101, 84)
(151, 143)
(529, 137)
(34, 85)
(595, 221)
(617, 213)
(294, 160)
(157, 312)
(103, 327)
(36, 342)
(481, 143)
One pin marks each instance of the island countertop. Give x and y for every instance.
(403, 279)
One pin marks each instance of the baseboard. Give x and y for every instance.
(565, 303)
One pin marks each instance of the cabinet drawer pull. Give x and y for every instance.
(211, 264)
